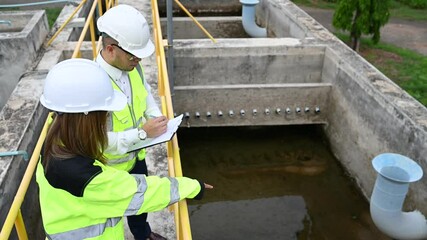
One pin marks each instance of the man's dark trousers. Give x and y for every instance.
(138, 224)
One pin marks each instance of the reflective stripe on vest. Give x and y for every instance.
(138, 199)
(129, 118)
(86, 232)
(174, 197)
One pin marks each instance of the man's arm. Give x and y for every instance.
(119, 142)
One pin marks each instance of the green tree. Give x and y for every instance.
(361, 17)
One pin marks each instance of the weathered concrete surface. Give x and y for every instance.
(247, 61)
(204, 7)
(275, 104)
(367, 114)
(22, 117)
(218, 27)
(21, 121)
(19, 44)
(248, 74)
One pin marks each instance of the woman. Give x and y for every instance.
(80, 196)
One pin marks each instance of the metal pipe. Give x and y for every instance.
(6, 22)
(395, 172)
(15, 153)
(169, 14)
(248, 19)
(231, 113)
(23, 187)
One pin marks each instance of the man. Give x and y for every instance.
(125, 41)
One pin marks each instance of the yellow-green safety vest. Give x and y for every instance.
(110, 195)
(128, 118)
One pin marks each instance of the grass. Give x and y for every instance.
(52, 15)
(397, 9)
(406, 68)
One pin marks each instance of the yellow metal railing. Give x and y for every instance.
(14, 216)
(180, 209)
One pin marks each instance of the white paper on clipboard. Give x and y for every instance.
(173, 125)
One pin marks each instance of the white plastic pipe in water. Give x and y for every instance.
(395, 172)
(248, 19)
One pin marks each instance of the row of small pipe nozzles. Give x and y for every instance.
(255, 112)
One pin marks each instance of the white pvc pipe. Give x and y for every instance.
(395, 172)
(248, 19)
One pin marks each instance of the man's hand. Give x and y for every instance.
(155, 127)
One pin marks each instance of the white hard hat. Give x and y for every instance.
(129, 28)
(80, 85)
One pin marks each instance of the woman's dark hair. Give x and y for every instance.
(76, 134)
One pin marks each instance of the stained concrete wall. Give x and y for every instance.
(273, 77)
(218, 27)
(19, 44)
(367, 113)
(20, 125)
(22, 117)
(204, 7)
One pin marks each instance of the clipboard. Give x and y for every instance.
(173, 125)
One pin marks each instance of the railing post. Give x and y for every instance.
(169, 14)
(20, 227)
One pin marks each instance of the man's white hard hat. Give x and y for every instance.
(129, 28)
(80, 85)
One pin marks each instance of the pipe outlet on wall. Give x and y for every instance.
(395, 172)
(248, 19)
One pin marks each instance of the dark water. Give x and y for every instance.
(271, 183)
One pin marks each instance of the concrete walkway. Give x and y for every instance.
(407, 34)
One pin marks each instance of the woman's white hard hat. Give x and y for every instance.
(80, 85)
(128, 27)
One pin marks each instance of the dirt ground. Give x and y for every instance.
(407, 34)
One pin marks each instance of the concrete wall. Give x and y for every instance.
(20, 125)
(218, 27)
(204, 7)
(246, 61)
(19, 44)
(368, 113)
(22, 117)
(275, 78)
(363, 112)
